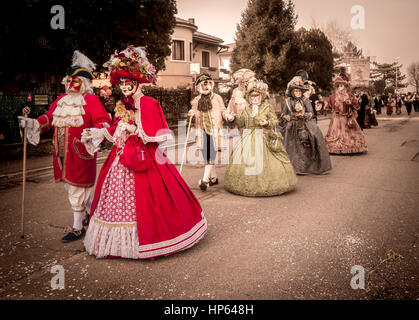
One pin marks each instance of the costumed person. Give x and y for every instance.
(237, 102)
(409, 103)
(314, 97)
(399, 102)
(363, 102)
(259, 165)
(209, 110)
(303, 140)
(142, 207)
(344, 135)
(391, 103)
(68, 116)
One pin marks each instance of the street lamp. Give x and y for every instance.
(397, 71)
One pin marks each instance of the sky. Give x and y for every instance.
(391, 26)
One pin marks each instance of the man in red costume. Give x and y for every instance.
(68, 116)
(142, 207)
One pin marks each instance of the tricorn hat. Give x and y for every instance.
(81, 66)
(202, 77)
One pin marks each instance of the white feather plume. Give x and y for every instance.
(80, 60)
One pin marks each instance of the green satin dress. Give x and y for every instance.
(259, 165)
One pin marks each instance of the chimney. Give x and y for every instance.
(191, 20)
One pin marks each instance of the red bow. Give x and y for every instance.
(129, 103)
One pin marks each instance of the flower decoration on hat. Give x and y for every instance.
(296, 83)
(257, 86)
(131, 63)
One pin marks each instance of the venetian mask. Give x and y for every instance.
(341, 87)
(128, 86)
(297, 93)
(255, 98)
(73, 84)
(205, 87)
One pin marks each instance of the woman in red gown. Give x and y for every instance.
(142, 207)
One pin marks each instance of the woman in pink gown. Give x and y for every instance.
(344, 135)
(142, 207)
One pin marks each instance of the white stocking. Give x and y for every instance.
(213, 174)
(207, 173)
(78, 220)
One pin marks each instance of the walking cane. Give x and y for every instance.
(186, 143)
(25, 112)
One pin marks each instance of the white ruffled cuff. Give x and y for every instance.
(34, 133)
(95, 138)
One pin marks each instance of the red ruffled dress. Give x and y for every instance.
(149, 211)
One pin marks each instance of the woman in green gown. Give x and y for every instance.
(259, 165)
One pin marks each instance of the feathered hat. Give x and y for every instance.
(243, 74)
(131, 63)
(296, 83)
(341, 78)
(258, 86)
(81, 66)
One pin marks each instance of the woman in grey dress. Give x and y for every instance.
(303, 139)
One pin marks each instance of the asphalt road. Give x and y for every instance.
(301, 245)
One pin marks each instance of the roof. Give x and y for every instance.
(186, 23)
(203, 37)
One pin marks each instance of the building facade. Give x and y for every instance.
(193, 52)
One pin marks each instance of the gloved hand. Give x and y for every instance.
(230, 117)
(26, 122)
(286, 117)
(191, 113)
(92, 133)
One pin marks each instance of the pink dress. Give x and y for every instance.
(344, 135)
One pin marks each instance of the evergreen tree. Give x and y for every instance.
(387, 73)
(313, 53)
(96, 27)
(264, 41)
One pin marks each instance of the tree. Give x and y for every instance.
(95, 27)
(339, 37)
(313, 53)
(264, 40)
(390, 73)
(413, 75)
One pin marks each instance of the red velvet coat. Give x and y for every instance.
(78, 167)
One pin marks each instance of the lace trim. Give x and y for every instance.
(34, 134)
(103, 240)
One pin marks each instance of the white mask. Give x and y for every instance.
(128, 86)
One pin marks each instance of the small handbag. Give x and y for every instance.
(274, 141)
(134, 156)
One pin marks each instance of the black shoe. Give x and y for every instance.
(213, 181)
(86, 220)
(203, 185)
(73, 235)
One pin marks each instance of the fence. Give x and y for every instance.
(175, 104)
(11, 107)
